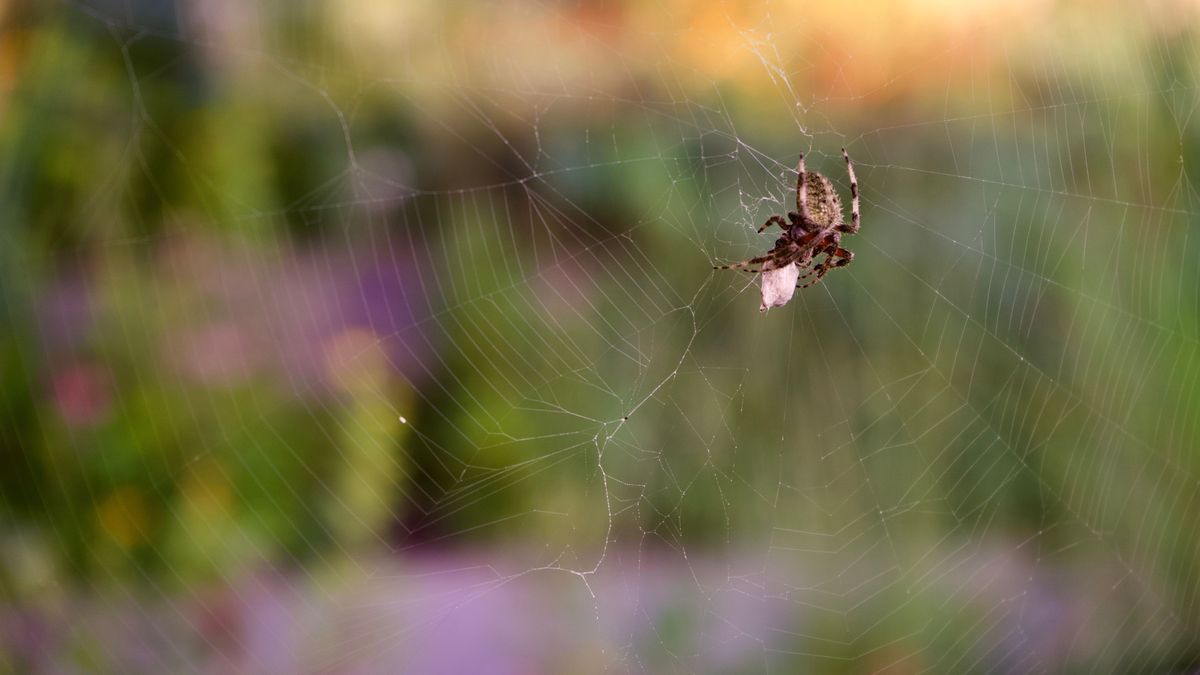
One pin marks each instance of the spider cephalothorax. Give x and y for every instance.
(814, 228)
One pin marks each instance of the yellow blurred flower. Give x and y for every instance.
(205, 491)
(124, 517)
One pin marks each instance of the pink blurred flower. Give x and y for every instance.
(219, 354)
(82, 395)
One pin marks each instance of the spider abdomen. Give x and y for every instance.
(824, 205)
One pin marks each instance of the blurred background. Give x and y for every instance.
(382, 336)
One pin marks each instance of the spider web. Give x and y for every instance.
(414, 360)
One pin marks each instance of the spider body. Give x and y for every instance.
(824, 205)
(813, 229)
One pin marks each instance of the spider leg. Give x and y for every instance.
(774, 220)
(815, 268)
(853, 226)
(837, 257)
(797, 261)
(812, 240)
(821, 270)
(748, 263)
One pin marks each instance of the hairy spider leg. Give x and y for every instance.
(802, 191)
(820, 271)
(748, 263)
(815, 266)
(774, 220)
(792, 255)
(807, 274)
(791, 258)
(844, 257)
(853, 195)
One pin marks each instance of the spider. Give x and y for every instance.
(815, 228)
